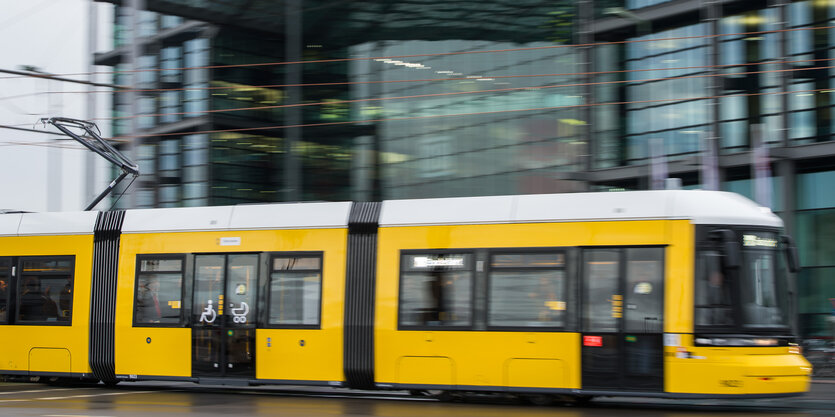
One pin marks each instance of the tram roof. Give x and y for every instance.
(57, 223)
(698, 206)
(241, 217)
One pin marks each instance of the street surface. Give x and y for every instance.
(181, 399)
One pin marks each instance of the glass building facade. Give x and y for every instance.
(260, 101)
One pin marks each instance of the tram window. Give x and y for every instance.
(295, 291)
(5, 265)
(159, 288)
(713, 291)
(644, 290)
(45, 291)
(602, 304)
(527, 290)
(435, 290)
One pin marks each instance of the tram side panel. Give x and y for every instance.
(45, 322)
(484, 342)
(272, 338)
(302, 342)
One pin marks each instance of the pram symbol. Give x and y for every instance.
(240, 313)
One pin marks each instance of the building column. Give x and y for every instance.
(292, 115)
(134, 52)
(712, 14)
(585, 10)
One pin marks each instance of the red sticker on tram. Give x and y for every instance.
(593, 341)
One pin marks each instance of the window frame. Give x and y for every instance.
(566, 287)
(20, 280)
(271, 257)
(473, 278)
(138, 271)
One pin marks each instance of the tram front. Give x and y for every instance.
(744, 340)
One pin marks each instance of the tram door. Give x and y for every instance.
(223, 333)
(622, 319)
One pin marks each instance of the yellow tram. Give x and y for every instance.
(651, 293)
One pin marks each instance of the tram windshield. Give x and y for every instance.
(749, 297)
(763, 282)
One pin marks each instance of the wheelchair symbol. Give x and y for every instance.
(240, 313)
(209, 315)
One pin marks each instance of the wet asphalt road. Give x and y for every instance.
(161, 399)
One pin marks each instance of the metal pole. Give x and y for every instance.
(90, 160)
(54, 162)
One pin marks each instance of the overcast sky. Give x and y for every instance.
(52, 36)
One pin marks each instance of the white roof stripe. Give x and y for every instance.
(701, 207)
(10, 224)
(243, 217)
(58, 223)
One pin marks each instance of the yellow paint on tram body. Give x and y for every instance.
(47, 348)
(518, 359)
(170, 350)
(734, 370)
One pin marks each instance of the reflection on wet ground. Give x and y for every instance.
(189, 400)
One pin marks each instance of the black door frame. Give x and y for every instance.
(594, 345)
(223, 332)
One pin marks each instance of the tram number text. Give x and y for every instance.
(734, 383)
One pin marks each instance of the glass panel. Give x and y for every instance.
(816, 237)
(713, 291)
(534, 298)
(813, 190)
(295, 298)
(531, 260)
(37, 299)
(644, 290)
(158, 298)
(46, 265)
(603, 306)
(161, 265)
(816, 302)
(438, 293)
(297, 263)
(45, 291)
(241, 286)
(4, 290)
(208, 289)
(763, 288)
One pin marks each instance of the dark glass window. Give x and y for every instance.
(644, 298)
(435, 289)
(295, 290)
(763, 287)
(527, 290)
(713, 291)
(5, 265)
(45, 291)
(159, 289)
(602, 301)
